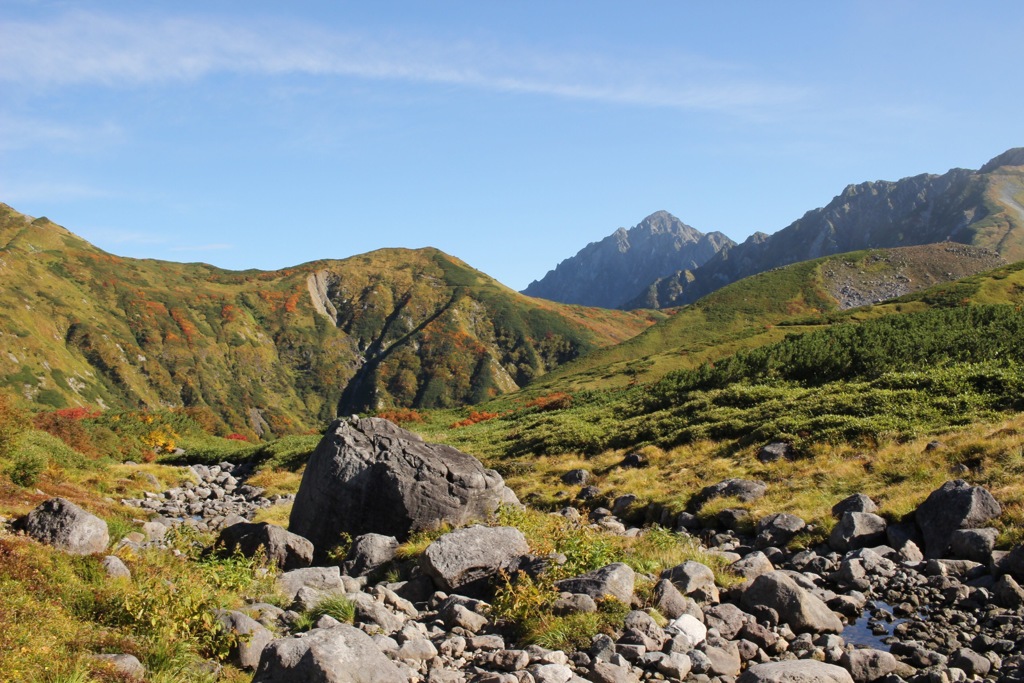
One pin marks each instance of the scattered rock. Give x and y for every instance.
(795, 671)
(465, 560)
(332, 655)
(693, 579)
(127, 665)
(368, 552)
(746, 490)
(954, 505)
(776, 450)
(615, 580)
(857, 530)
(796, 607)
(576, 477)
(283, 548)
(858, 502)
(251, 636)
(115, 568)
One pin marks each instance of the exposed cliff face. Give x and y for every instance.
(614, 271)
(982, 208)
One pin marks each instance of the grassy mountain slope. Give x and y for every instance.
(942, 357)
(271, 352)
(764, 308)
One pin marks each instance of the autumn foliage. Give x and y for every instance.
(400, 416)
(474, 417)
(558, 400)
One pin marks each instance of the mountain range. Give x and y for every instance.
(272, 352)
(983, 208)
(266, 353)
(617, 270)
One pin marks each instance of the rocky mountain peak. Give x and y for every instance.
(613, 271)
(1011, 157)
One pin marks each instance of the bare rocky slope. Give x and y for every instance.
(615, 270)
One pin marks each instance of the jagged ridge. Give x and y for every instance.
(615, 270)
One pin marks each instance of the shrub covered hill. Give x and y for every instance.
(776, 359)
(271, 352)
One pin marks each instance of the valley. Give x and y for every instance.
(397, 456)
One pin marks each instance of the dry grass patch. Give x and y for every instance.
(277, 481)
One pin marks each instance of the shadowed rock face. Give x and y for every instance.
(370, 476)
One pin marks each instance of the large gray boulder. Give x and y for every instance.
(342, 654)
(616, 580)
(286, 550)
(857, 530)
(800, 609)
(370, 476)
(954, 505)
(868, 664)
(795, 671)
(693, 579)
(65, 526)
(465, 560)
(320, 579)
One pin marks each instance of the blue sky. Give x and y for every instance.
(266, 134)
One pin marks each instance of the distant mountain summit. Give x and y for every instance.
(619, 268)
(983, 208)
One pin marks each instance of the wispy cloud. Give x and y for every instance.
(88, 48)
(15, 191)
(32, 133)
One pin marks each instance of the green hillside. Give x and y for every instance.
(763, 309)
(932, 363)
(271, 352)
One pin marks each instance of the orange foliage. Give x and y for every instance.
(236, 437)
(156, 307)
(187, 328)
(292, 303)
(474, 417)
(229, 313)
(559, 400)
(79, 413)
(66, 425)
(400, 416)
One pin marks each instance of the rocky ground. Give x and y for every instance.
(928, 600)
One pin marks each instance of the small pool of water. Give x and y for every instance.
(860, 633)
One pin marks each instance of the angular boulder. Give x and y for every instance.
(251, 637)
(746, 490)
(286, 550)
(858, 502)
(857, 530)
(368, 552)
(65, 526)
(465, 560)
(616, 580)
(342, 654)
(693, 579)
(954, 505)
(370, 476)
(778, 529)
(800, 609)
(795, 671)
